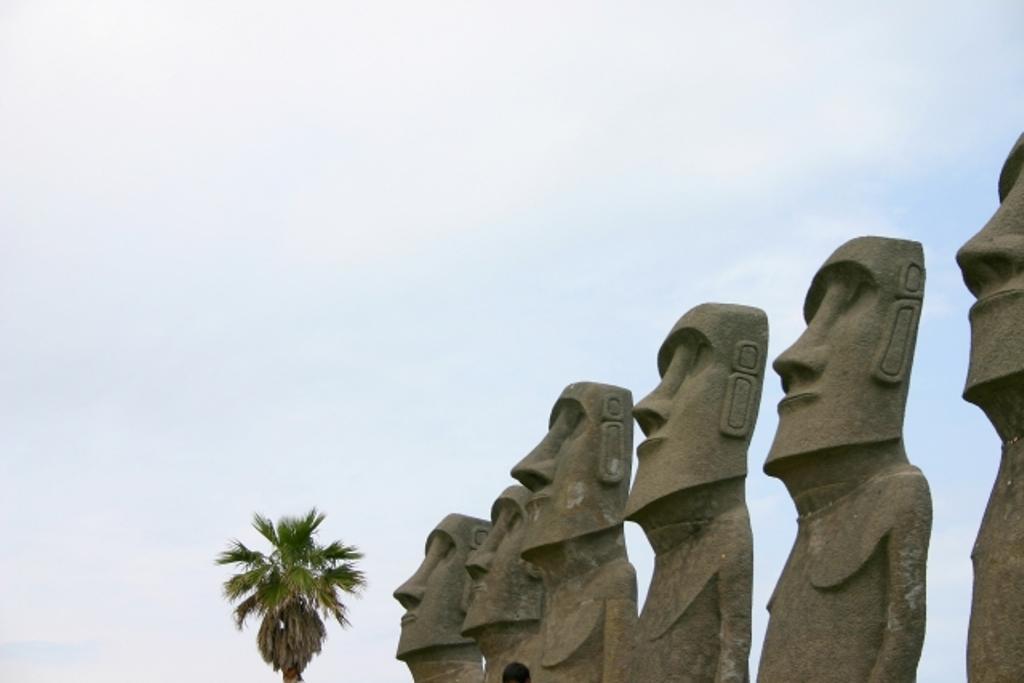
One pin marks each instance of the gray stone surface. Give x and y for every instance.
(850, 604)
(579, 476)
(435, 599)
(507, 593)
(993, 267)
(689, 497)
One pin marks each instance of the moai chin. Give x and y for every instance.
(579, 476)
(435, 599)
(993, 267)
(689, 497)
(850, 604)
(507, 594)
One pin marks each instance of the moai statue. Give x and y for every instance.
(435, 599)
(993, 268)
(579, 476)
(850, 604)
(507, 593)
(689, 497)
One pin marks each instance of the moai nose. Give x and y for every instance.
(800, 364)
(987, 261)
(651, 414)
(479, 563)
(536, 470)
(409, 594)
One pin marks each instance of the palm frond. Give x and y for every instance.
(238, 553)
(312, 521)
(265, 527)
(295, 534)
(273, 592)
(346, 577)
(248, 606)
(300, 580)
(335, 552)
(247, 582)
(329, 603)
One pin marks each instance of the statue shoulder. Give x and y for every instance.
(724, 550)
(570, 632)
(613, 581)
(850, 534)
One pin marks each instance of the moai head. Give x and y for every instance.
(579, 473)
(993, 267)
(436, 596)
(505, 589)
(699, 419)
(846, 377)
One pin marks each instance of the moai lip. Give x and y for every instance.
(689, 497)
(435, 599)
(850, 604)
(579, 479)
(992, 263)
(506, 592)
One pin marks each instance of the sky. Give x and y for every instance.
(257, 257)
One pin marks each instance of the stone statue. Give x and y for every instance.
(850, 604)
(579, 476)
(507, 593)
(689, 497)
(435, 599)
(993, 263)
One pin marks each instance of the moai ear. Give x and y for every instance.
(896, 347)
(742, 391)
(478, 536)
(467, 596)
(532, 570)
(612, 463)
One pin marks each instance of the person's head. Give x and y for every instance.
(846, 377)
(579, 473)
(436, 596)
(515, 673)
(699, 419)
(993, 268)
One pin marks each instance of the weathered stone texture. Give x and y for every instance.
(507, 593)
(850, 604)
(579, 476)
(993, 268)
(435, 599)
(689, 497)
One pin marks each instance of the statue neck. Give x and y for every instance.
(455, 664)
(568, 560)
(1003, 403)
(668, 522)
(498, 639)
(818, 479)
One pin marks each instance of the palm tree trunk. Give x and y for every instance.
(291, 675)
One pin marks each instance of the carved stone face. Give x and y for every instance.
(436, 596)
(700, 418)
(993, 268)
(579, 473)
(846, 377)
(505, 589)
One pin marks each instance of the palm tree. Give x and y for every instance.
(290, 588)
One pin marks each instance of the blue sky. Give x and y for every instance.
(259, 258)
